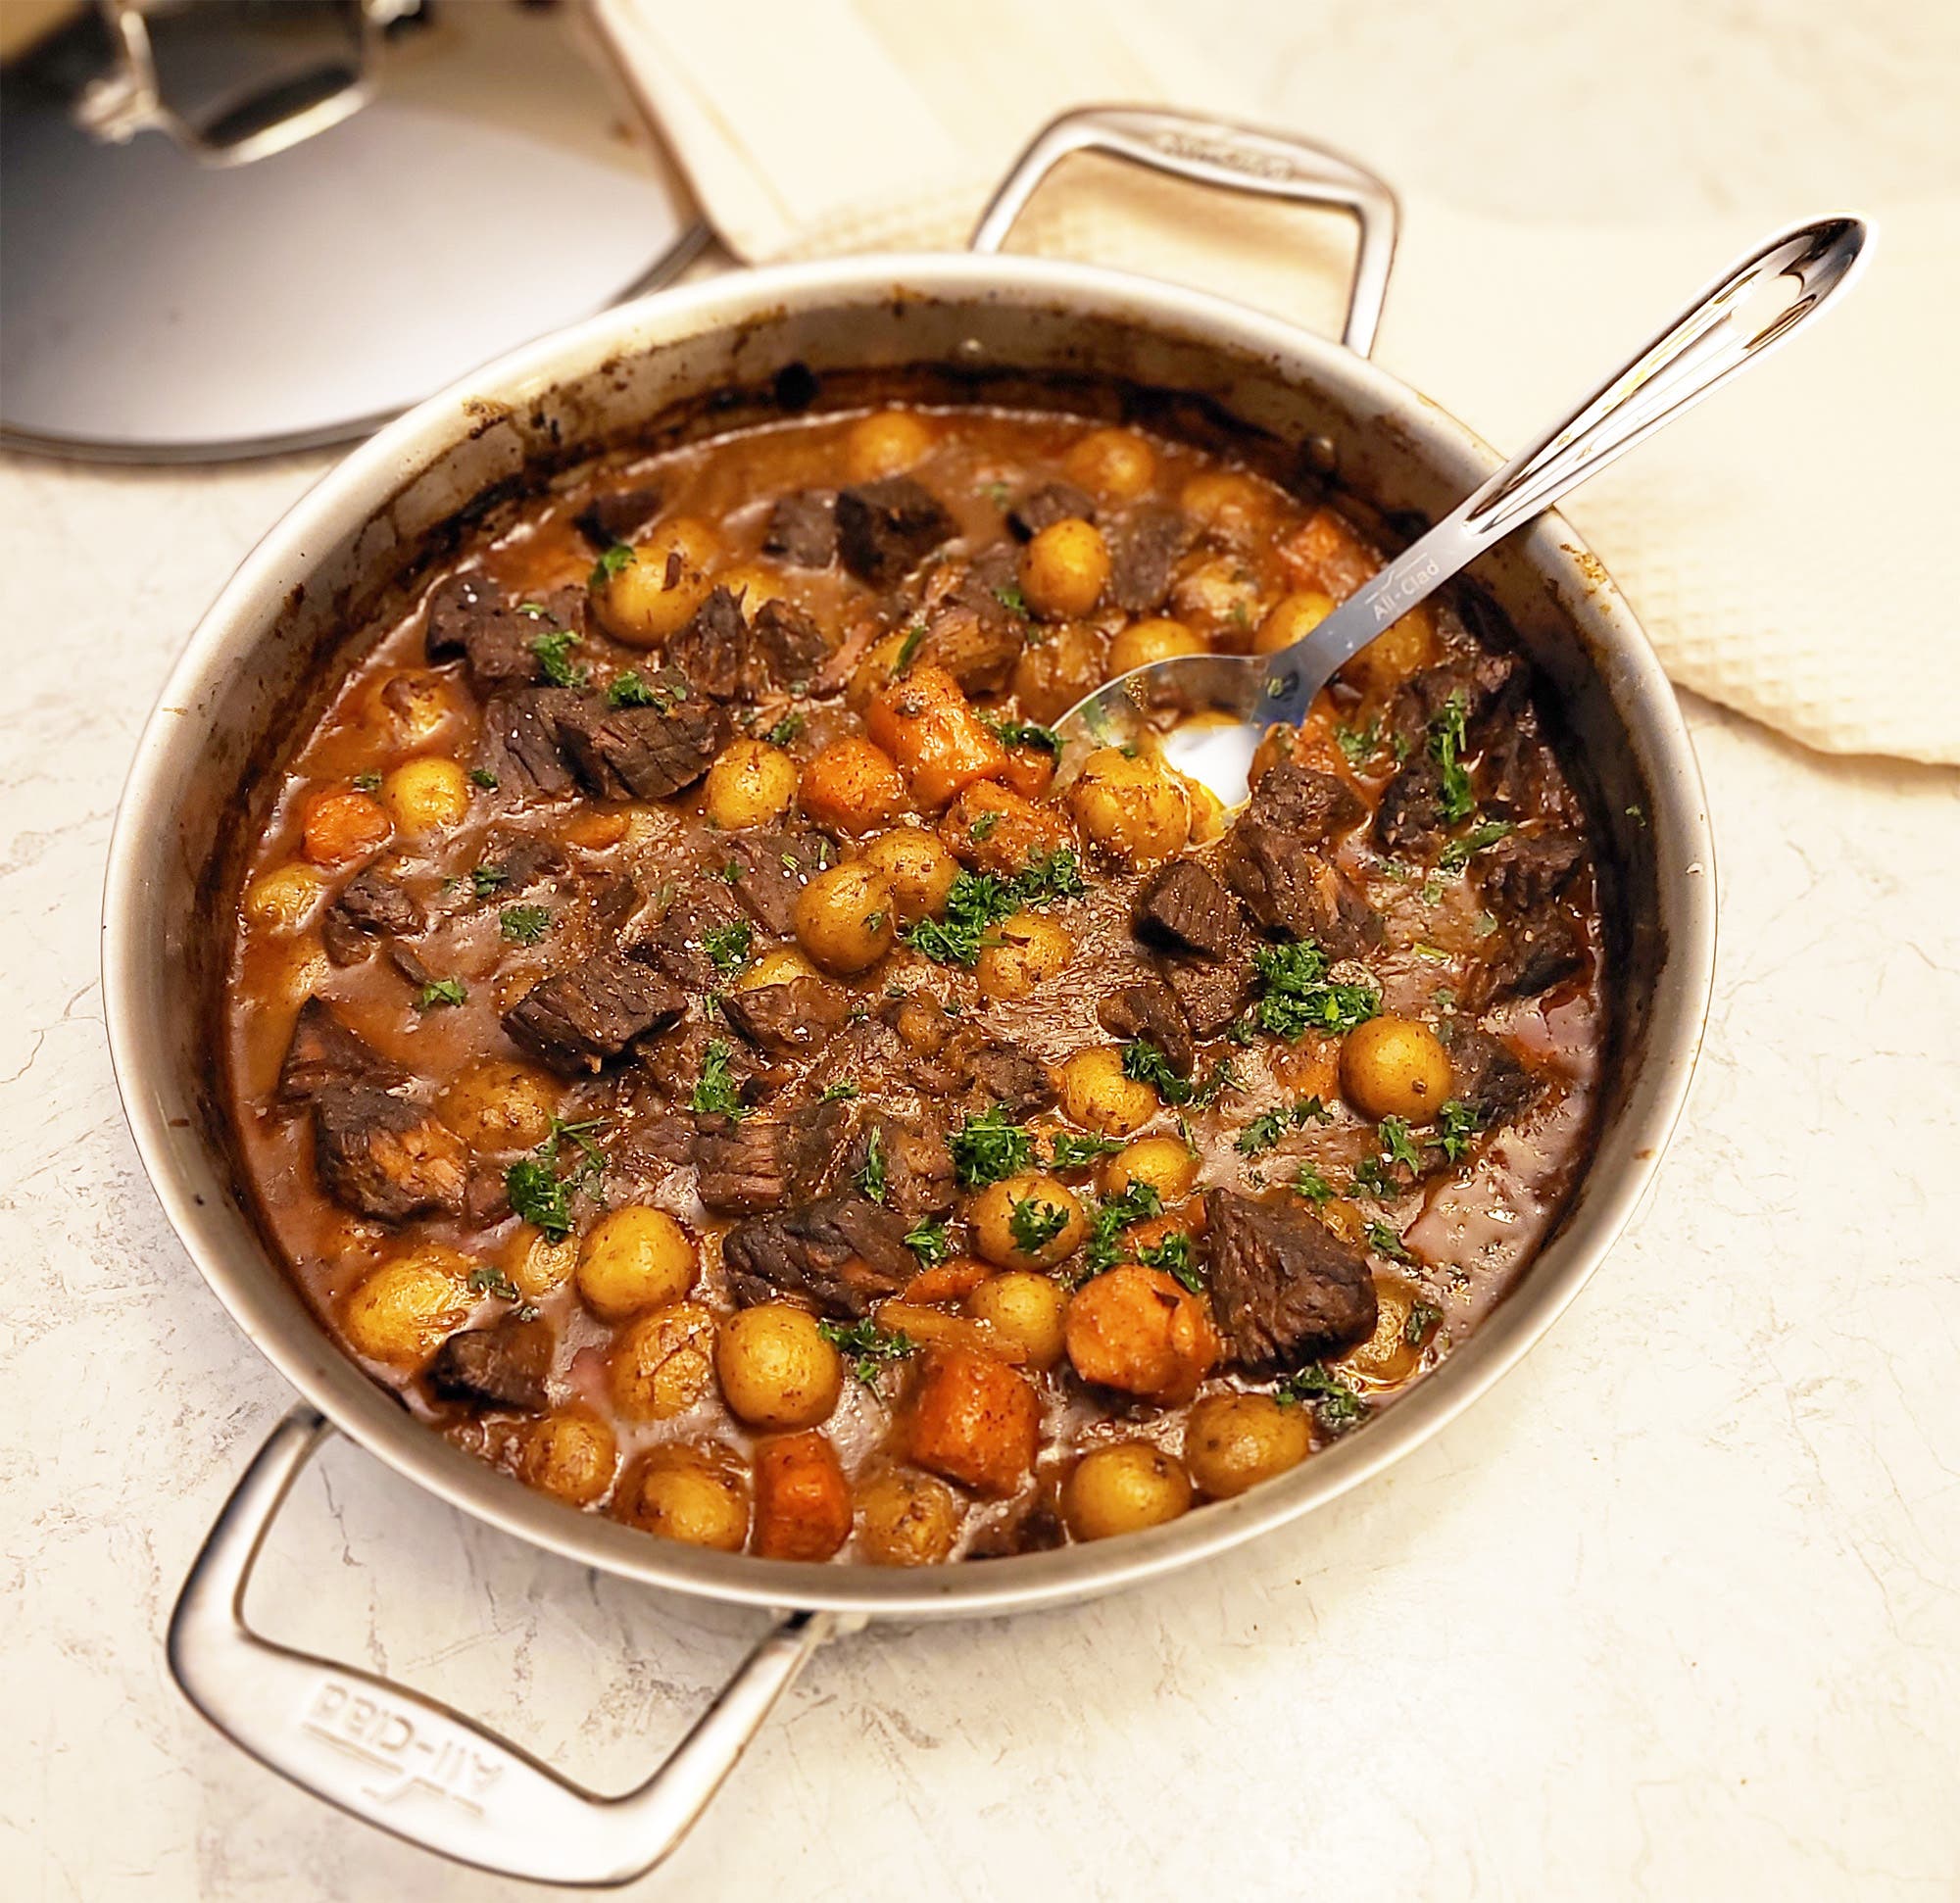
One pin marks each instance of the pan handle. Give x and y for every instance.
(1236, 158)
(411, 1766)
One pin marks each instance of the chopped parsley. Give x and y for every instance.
(1397, 1147)
(869, 1348)
(1026, 732)
(1422, 1317)
(1455, 1124)
(1296, 995)
(930, 1243)
(490, 1280)
(487, 878)
(1138, 1203)
(441, 991)
(1360, 743)
(1314, 1186)
(628, 690)
(989, 1149)
(717, 1093)
(727, 946)
(1459, 852)
(1336, 1406)
(1173, 1256)
(871, 1178)
(995, 493)
(483, 777)
(979, 902)
(840, 1092)
(1269, 1125)
(785, 730)
(367, 782)
(524, 924)
(1144, 1064)
(982, 828)
(1012, 600)
(1034, 1222)
(909, 647)
(537, 1189)
(1448, 742)
(618, 555)
(1073, 1152)
(1385, 1241)
(554, 653)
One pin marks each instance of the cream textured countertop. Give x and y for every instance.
(1673, 1612)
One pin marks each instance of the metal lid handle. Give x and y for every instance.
(1236, 158)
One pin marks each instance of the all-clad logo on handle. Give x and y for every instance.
(408, 1755)
(1398, 590)
(1234, 158)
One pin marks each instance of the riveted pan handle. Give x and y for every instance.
(415, 1767)
(1236, 158)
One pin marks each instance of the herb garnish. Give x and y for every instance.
(1385, 1241)
(490, 1280)
(1448, 742)
(628, 690)
(988, 1149)
(1034, 1222)
(440, 990)
(1455, 1124)
(869, 1348)
(871, 1178)
(717, 1093)
(367, 782)
(1336, 1406)
(1269, 1125)
(1314, 1186)
(1012, 600)
(1397, 1147)
(909, 647)
(524, 924)
(1144, 1064)
(1173, 1256)
(979, 902)
(1138, 1203)
(1026, 732)
(1459, 852)
(727, 946)
(1073, 1152)
(1295, 996)
(554, 653)
(618, 555)
(930, 1243)
(487, 878)
(483, 777)
(539, 1194)
(1422, 1317)
(1360, 743)
(840, 1092)
(785, 730)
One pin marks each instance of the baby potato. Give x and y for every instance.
(750, 784)
(1234, 1441)
(1401, 649)
(1095, 1095)
(1208, 815)
(572, 1455)
(536, 1264)
(1064, 569)
(661, 1363)
(1025, 1309)
(1030, 1221)
(1394, 1067)
(995, 829)
(884, 662)
(498, 1105)
(1292, 618)
(1057, 669)
(846, 919)
(343, 825)
(851, 787)
(634, 1258)
(400, 1312)
(886, 443)
(697, 1494)
(283, 898)
(1156, 639)
(1116, 465)
(781, 965)
(1165, 1163)
(906, 1519)
(596, 829)
(1136, 810)
(1232, 506)
(1123, 1489)
(412, 705)
(776, 1369)
(425, 796)
(1388, 1356)
(1141, 1331)
(655, 595)
(1219, 596)
(803, 1501)
(919, 871)
(1029, 771)
(1027, 951)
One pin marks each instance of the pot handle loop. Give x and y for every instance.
(1236, 158)
(413, 1765)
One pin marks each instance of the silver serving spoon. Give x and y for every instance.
(1751, 309)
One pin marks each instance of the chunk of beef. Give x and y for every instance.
(676, 942)
(885, 529)
(578, 1018)
(994, 1071)
(1149, 1009)
(644, 752)
(1528, 956)
(513, 862)
(1285, 1289)
(1145, 548)
(1492, 687)
(713, 650)
(787, 1020)
(1520, 774)
(803, 529)
(1182, 908)
(676, 1062)
(486, 1196)
(522, 736)
(370, 905)
(1313, 806)
(978, 650)
(501, 1368)
(747, 1165)
(844, 1252)
(1526, 872)
(905, 1161)
(471, 620)
(1051, 503)
(655, 1143)
(324, 1051)
(774, 869)
(385, 1157)
(1485, 1074)
(1409, 816)
(786, 647)
(623, 516)
(1210, 992)
(1287, 886)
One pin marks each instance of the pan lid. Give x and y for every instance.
(233, 226)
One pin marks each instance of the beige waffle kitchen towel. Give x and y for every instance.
(1780, 544)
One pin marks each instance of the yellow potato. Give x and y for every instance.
(536, 1265)
(847, 918)
(1030, 1221)
(662, 1363)
(572, 1455)
(1292, 618)
(775, 1367)
(400, 1312)
(1064, 569)
(1096, 1093)
(1394, 1067)
(698, 1496)
(887, 443)
(750, 784)
(906, 1519)
(283, 898)
(427, 796)
(1027, 951)
(1135, 808)
(635, 1258)
(1124, 1488)
(1025, 1309)
(919, 868)
(1156, 639)
(1234, 1441)
(495, 1105)
(1116, 465)
(655, 595)
(1165, 1163)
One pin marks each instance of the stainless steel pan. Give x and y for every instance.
(258, 663)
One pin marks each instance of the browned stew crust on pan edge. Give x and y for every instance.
(681, 1043)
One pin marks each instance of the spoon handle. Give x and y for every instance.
(1739, 318)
